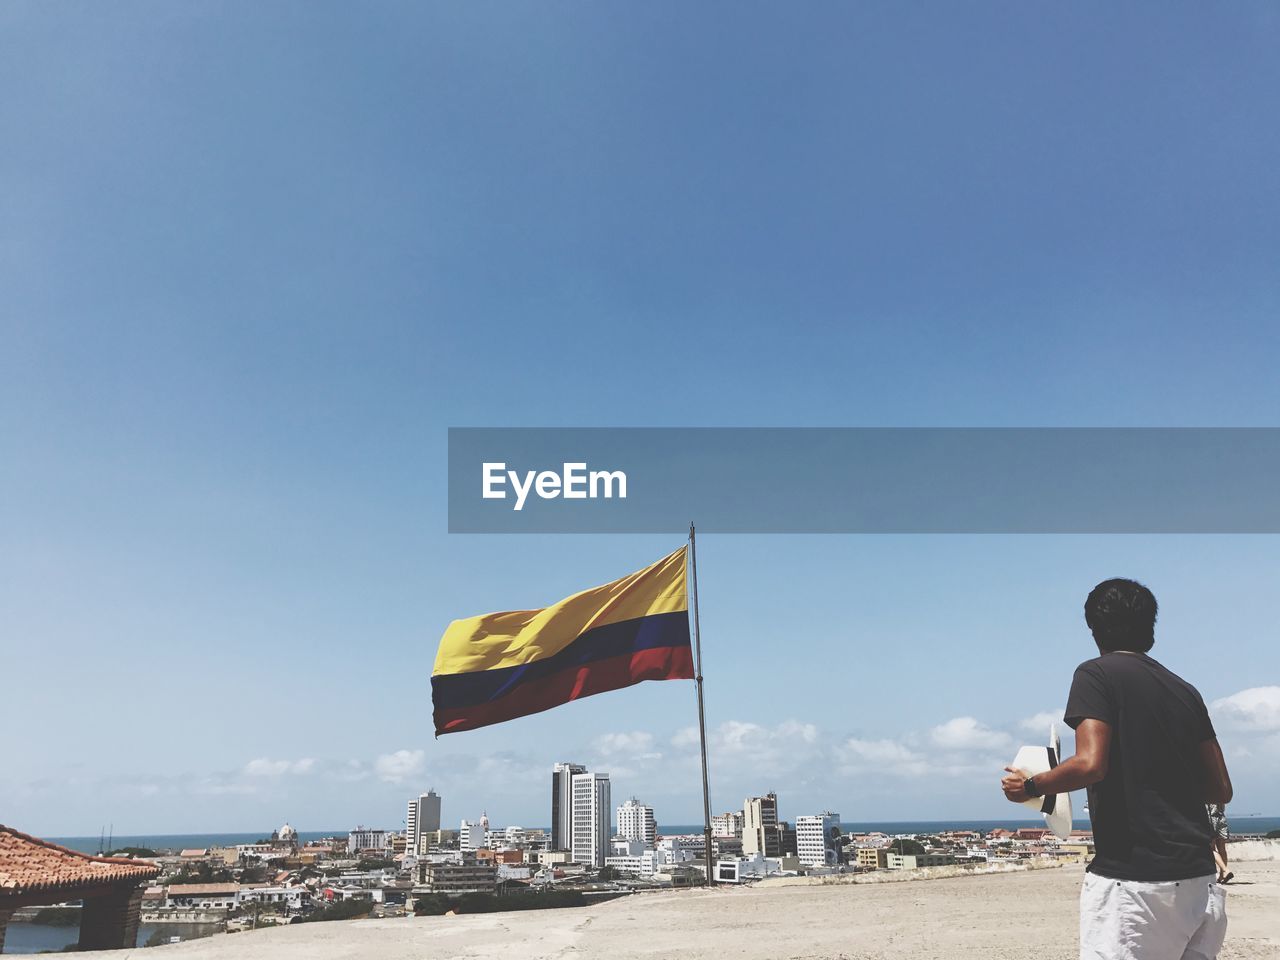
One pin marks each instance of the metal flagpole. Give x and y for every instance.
(702, 715)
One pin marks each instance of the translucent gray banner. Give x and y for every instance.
(864, 480)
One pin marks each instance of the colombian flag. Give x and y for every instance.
(504, 665)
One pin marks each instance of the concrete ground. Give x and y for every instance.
(1012, 916)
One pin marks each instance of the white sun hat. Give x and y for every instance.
(1056, 808)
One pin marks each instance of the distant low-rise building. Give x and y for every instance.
(549, 858)
(680, 849)
(726, 847)
(367, 840)
(643, 865)
(744, 869)
(202, 896)
(469, 876)
(1074, 851)
(337, 893)
(153, 898)
(292, 898)
(917, 861)
(229, 856)
(872, 858)
(500, 856)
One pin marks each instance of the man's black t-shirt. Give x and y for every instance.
(1148, 812)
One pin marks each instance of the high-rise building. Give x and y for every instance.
(562, 775)
(636, 822)
(422, 818)
(591, 808)
(818, 839)
(760, 826)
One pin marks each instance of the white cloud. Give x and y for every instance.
(735, 736)
(214, 786)
(805, 732)
(1256, 709)
(1041, 722)
(742, 751)
(625, 755)
(626, 743)
(745, 752)
(266, 767)
(786, 740)
(511, 767)
(883, 757)
(351, 771)
(966, 733)
(685, 737)
(398, 766)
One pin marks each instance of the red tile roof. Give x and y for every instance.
(28, 864)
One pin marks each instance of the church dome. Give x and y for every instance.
(288, 833)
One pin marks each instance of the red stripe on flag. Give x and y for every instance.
(601, 676)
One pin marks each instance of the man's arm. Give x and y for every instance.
(1087, 767)
(1216, 779)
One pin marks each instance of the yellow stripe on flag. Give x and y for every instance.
(514, 638)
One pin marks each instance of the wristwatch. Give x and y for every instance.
(1030, 788)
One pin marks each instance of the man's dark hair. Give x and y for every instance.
(1122, 616)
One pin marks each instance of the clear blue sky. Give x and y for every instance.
(255, 259)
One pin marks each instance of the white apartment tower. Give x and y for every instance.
(636, 822)
(591, 806)
(727, 824)
(471, 836)
(562, 775)
(818, 839)
(423, 817)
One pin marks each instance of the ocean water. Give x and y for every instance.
(30, 938)
(182, 841)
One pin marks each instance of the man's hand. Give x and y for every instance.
(1014, 785)
(1087, 767)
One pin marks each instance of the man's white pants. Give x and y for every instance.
(1173, 920)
